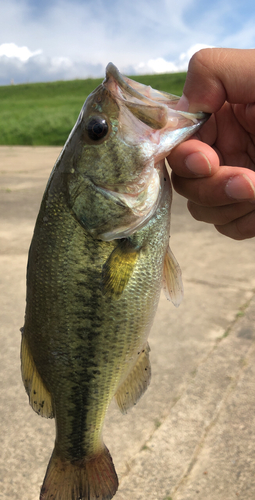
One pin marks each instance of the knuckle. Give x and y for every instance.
(203, 195)
(239, 229)
(195, 211)
(245, 226)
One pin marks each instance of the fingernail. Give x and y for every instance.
(198, 164)
(183, 103)
(240, 187)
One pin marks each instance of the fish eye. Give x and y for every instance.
(97, 128)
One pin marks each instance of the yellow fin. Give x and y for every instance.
(39, 396)
(136, 382)
(172, 279)
(89, 478)
(118, 268)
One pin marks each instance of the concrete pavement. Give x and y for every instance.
(192, 434)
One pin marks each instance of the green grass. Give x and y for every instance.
(44, 113)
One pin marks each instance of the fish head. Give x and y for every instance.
(122, 136)
(131, 123)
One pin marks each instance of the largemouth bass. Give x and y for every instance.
(97, 261)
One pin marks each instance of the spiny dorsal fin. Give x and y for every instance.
(136, 382)
(172, 279)
(39, 396)
(119, 267)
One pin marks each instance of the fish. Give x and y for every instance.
(98, 259)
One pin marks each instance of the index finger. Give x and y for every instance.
(193, 158)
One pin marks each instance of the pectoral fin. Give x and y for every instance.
(172, 279)
(119, 268)
(136, 382)
(39, 396)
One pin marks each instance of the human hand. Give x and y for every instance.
(217, 175)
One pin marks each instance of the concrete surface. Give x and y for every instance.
(192, 435)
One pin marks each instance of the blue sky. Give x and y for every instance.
(45, 40)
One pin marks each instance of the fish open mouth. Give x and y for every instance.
(153, 107)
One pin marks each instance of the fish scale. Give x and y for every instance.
(97, 261)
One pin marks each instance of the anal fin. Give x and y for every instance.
(172, 279)
(136, 382)
(39, 396)
(118, 268)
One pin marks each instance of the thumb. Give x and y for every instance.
(218, 75)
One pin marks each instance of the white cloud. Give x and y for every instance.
(41, 68)
(21, 65)
(21, 53)
(65, 39)
(186, 56)
(161, 65)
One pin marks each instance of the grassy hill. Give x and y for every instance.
(44, 113)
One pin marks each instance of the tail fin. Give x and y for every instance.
(86, 479)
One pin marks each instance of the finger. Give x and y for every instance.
(227, 185)
(220, 215)
(246, 116)
(193, 158)
(217, 75)
(239, 229)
